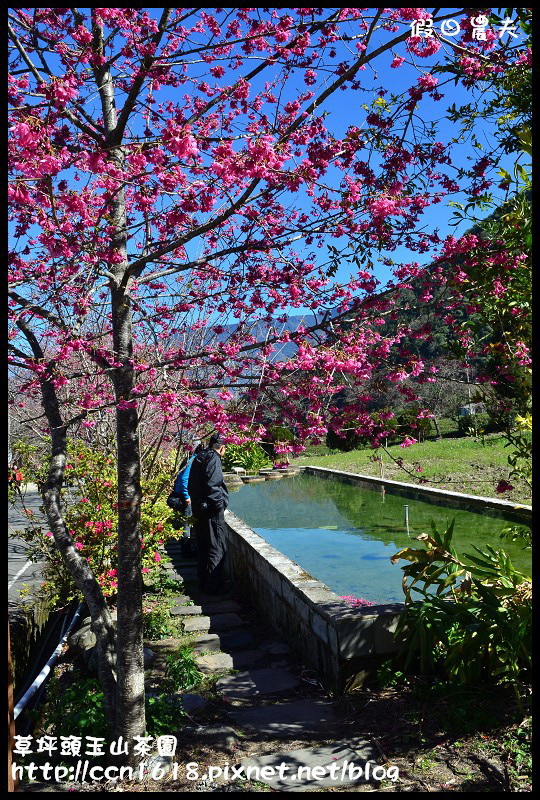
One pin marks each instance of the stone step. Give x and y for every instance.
(275, 648)
(227, 642)
(242, 659)
(181, 599)
(175, 548)
(173, 573)
(207, 643)
(214, 662)
(189, 568)
(188, 580)
(286, 720)
(256, 682)
(176, 561)
(192, 702)
(181, 611)
(221, 607)
(214, 624)
(201, 597)
(162, 646)
(222, 736)
(195, 624)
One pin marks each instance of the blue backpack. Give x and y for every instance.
(177, 500)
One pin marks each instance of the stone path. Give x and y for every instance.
(261, 692)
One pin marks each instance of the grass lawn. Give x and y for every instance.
(456, 464)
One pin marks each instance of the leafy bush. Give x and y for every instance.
(474, 424)
(521, 457)
(157, 621)
(280, 434)
(408, 424)
(163, 714)
(518, 533)
(182, 669)
(344, 441)
(389, 676)
(474, 620)
(275, 435)
(347, 439)
(249, 456)
(164, 584)
(90, 514)
(78, 710)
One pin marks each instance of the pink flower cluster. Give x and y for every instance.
(356, 602)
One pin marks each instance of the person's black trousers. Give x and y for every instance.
(211, 549)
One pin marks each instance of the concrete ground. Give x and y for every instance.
(22, 573)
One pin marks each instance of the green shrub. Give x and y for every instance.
(475, 424)
(78, 710)
(474, 618)
(486, 422)
(276, 434)
(408, 424)
(280, 434)
(520, 440)
(250, 456)
(157, 621)
(163, 714)
(350, 440)
(91, 518)
(182, 669)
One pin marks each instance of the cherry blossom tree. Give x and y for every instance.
(181, 180)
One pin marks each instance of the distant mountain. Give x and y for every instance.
(260, 331)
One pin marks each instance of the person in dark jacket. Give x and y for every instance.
(209, 499)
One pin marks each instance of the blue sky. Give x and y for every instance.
(345, 109)
(440, 216)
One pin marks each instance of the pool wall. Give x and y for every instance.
(468, 502)
(341, 645)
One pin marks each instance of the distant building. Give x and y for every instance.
(472, 408)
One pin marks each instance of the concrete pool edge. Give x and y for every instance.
(341, 644)
(518, 511)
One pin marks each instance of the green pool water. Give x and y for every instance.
(344, 535)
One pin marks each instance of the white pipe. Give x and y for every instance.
(407, 519)
(30, 692)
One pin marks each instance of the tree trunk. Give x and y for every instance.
(437, 429)
(130, 712)
(130, 705)
(130, 702)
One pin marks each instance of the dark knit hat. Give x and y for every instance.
(216, 439)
